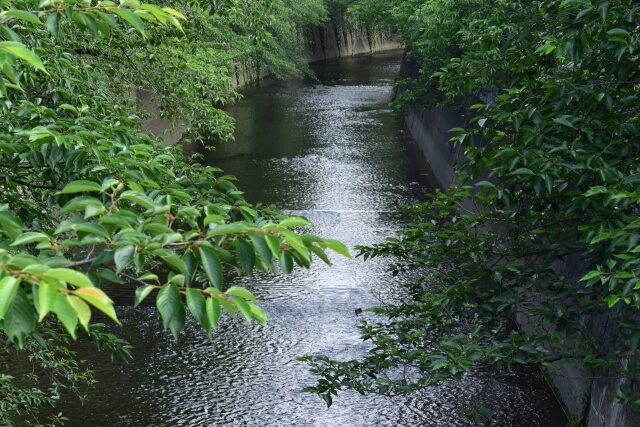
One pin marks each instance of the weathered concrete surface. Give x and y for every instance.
(161, 128)
(430, 130)
(603, 410)
(244, 75)
(586, 396)
(339, 40)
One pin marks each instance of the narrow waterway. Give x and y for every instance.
(331, 150)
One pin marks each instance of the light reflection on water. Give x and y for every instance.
(330, 150)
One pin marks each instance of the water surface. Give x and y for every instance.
(331, 150)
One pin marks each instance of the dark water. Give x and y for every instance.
(332, 151)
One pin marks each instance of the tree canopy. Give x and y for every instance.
(89, 199)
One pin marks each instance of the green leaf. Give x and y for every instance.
(81, 203)
(109, 276)
(47, 296)
(132, 4)
(22, 15)
(274, 244)
(122, 257)
(99, 300)
(244, 308)
(246, 255)
(214, 219)
(177, 279)
(618, 32)
(286, 262)
(197, 306)
(549, 183)
(228, 306)
(81, 186)
(485, 184)
(212, 266)
(155, 11)
(191, 263)
(262, 248)
(149, 277)
(90, 228)
(66, 314)
(240, 292)
(93, 210)
(8, 288)
(320, 253)
(130, 18)
(30, 237)
(295, 221)
(259, 314)
(563, 121)
(176, 325)
(10, 34)
(174, 261)
(596, 190)
(235, 228)
(20, 51)
(213, 312)
(168, 303)
(10, 224)
(336, 246)
(117, 219)
(20, 320)
(142, 292)
(138, 198)
(73, 277)
(522, 171)
(591, 275)
(52, 24)
(82, 310)
(546, 49)
(174, 13)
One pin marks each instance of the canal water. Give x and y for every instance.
(329, 149)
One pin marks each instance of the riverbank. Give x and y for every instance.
(584, 395)
(340, 40)
(335, 39)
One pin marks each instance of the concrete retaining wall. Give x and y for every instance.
(338, 40)
(429, 128)
(158, 126)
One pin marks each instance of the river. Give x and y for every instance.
(329, 149)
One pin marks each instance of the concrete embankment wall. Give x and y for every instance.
(585, 394)
(339, 39)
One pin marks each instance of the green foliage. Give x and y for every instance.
(89, 200)
(191, 74)
(543, 226)
(45, 371)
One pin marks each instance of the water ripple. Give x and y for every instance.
(334, 153)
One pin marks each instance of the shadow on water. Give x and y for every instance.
(329, 149)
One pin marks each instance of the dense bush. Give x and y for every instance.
(551, 166)
(88, 198)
